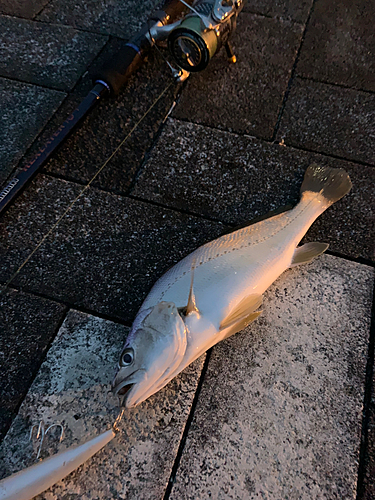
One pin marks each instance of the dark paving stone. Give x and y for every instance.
(119, 18)
(22, 8)
(368, 492)
(25, 109)
(339, 45)
(28, 325)
(295, 10)
(52, 56)
(104, 129)
(106, 253)
(235, 179)
(331, 120)
(245, 97)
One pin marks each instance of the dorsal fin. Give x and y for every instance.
(191, 305)
(242, 310)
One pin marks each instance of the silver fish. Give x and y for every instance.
(217, 290)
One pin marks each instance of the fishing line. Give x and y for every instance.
(85, 188)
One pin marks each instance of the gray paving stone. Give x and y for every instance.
(25, 109)
(105, 254)
(331, 120)
(119, 18)
(22, 8)
(28, 325)
(104, 129)
(368, 487)
(72, 388)
(52, 56)
(279, 414)
(339, 44)
(295, 10)
(235, 179)
(245, 97)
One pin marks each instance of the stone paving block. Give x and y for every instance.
(119, 18)
(235, 179)
(279, 414)
(25, 109)
(339, 44)
(295, 10)
(245, 97)
(28, 325)
(22, 8)
(52, 56)
(104, 129)
(105, 254)
(330, 120)
(72, 388)
(368, 487)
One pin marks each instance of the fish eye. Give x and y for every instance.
(127, 357)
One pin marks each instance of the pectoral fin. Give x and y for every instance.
(237, 327)
(308, 252)
(243, 310)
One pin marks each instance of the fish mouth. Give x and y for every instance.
(126, 387)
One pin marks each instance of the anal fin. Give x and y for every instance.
(237, 327)
(242, 310)
(307, 252)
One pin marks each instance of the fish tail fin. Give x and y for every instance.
(331, 183)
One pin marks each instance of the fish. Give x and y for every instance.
(216, 291)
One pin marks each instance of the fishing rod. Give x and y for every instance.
(192, 41)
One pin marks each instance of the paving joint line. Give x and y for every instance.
(36, 371)
(42, 9)
(24, 159)
(18, 80)
(366, 414)
(84, 310)
(189, 421)
(275, 17)
(340, 85)
(275, 142)
(292, 75)
(60, 25)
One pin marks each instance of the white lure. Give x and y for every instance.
(216, 290)
(32, 481)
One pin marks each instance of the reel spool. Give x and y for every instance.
(200, 35)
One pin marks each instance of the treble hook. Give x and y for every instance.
(42, 431)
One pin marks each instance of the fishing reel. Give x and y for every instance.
(199, 35)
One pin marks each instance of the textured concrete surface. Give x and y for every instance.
(245, 97)
(33, 322)
(330, 120)
(117, 240)
(72, 389)
(112, 17)
(52, 56)
(235, 179)
(368, 490)
(279, 414)
(295, 10)
(25, 109)
(110, 122)
(105, 254)
(22, 8)
(339, 45)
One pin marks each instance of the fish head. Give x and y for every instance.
(153, 351)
